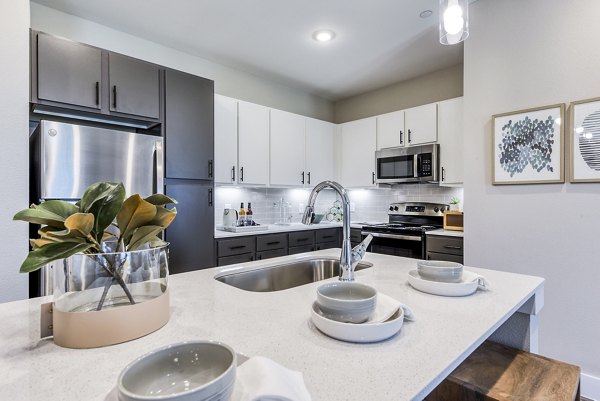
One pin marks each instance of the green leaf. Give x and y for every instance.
(142, 236)
(93, 193)
(82, 222)
(52, 213)
(105, 209)
(160, 200)
(42, 256)
(164, 217)
(134, 213)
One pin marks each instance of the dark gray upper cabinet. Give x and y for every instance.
(189, 126)
(191, 233)
(68, 72)
(134, 86)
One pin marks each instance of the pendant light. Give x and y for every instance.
(454, 21)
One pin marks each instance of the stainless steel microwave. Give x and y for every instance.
(409, 164)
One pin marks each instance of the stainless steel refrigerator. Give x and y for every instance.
(68, 158)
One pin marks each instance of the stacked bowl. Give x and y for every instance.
(347, 302)
(437, 270)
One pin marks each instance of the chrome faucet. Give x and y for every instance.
(349, 257)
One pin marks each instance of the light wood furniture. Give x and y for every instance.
(454, 220)
(497, 373)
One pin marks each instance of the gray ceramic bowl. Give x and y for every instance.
(346, 302)
(437, 270)
(187, 371)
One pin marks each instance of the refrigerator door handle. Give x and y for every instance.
(158, 183)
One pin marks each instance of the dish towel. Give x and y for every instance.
(482, 282)
(261, 379)
(386, 307)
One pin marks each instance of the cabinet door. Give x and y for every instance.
(226, 139)
(390, 130)
(134, 86)
(189, 126)
(450, 138)
(191, 235)
(287, 149)
(253, 144)
(421, 124)
(320, 151)
(68, 72)
(358, 153)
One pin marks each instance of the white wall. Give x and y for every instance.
(525, 54)
(228, 81)
(14, 173)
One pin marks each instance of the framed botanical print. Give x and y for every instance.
(584, 141)
(527, 146)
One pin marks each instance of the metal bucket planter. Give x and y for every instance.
(109, 298)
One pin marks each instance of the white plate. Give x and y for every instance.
(468, 285)
(358, 333)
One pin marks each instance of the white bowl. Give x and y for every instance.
(438, 270)
(346, 301)
(187, 371)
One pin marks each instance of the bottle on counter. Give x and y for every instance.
(242, 216)
(249, 220)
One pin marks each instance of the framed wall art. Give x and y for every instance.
(584, 143)
(527, 146)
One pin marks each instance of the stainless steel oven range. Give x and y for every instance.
(404, 234)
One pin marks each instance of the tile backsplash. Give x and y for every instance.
(366, 204)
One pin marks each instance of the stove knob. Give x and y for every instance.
(442, 209)
(396, 208)
(436, 209)
(391, 208)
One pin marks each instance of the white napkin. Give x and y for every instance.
(386, 307)
(261, 379)
(482, 282)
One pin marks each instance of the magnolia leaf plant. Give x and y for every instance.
(103, 214)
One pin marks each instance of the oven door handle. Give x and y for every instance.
(393, 236)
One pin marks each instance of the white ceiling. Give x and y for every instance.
(379, 42)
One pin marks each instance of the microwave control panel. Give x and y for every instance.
(425, 165)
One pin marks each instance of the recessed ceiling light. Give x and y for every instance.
(323, 35)
(426, 14)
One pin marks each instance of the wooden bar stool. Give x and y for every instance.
(497, 373)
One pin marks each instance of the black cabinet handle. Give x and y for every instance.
(327, 236)
(373, 177)
(233, 173)
(428, 257)
(452, 247)
(309, 178)
(401, 139)
(237, 247)
(210, 169)
(114, 96)
(302, 239)
(241, 174)
(97, 93)
(210, 197)
(303, 177)
(409, 139)
(274, 243)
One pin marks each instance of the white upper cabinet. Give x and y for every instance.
(358, 153)
(320, 151)
(287, 149)
(226, 137)
(420, 124)
(450, 135)
(253, 144)
(390, 130)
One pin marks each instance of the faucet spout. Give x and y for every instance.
(349, 257)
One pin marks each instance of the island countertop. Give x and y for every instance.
(277, 325)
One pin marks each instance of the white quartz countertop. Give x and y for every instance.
(276, 325)
(275, 228)
(446, 233)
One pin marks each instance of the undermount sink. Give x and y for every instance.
(288, 275)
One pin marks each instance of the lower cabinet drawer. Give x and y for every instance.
(271, 254)
(235, 246)
(299, 249)
(355, 235)
(231, 260)
(327, 245)
(270, 242)
(327, 235)
(445, 256)
(441, 244)
(302, 238)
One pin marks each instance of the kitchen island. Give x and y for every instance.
(277, 325)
